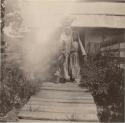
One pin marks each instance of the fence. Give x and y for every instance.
(114, 49)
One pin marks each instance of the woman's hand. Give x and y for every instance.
(85, 58)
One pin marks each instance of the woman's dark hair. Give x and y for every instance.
(75, 36)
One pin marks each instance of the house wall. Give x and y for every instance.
(93, 36)
(122, 52)
(102, 35)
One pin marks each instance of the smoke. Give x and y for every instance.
(40, 45)
(39, 52)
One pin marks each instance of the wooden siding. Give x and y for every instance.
(116, 48)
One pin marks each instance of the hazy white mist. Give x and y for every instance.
(40, 45)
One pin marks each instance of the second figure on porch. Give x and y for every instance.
(74, 67)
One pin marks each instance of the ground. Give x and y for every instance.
(60, 102)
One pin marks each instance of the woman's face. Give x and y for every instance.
(67, 31)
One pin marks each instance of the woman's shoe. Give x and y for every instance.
(72, 79)
(77, 81)
(62, 80)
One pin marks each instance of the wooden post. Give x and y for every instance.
(122, 52)
(3, 43)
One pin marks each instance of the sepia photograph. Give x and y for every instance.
(62, 61)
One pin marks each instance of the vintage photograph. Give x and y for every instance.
(62, 61)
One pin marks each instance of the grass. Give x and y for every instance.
(73, 117)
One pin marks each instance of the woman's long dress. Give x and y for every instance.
(74, 60)
(63, 59)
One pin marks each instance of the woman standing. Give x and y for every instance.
(63, 60)
(76, 45)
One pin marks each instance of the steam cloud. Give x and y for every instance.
(39, 47)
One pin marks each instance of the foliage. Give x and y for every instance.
(16, 87)
(105, 79)
(2, 19)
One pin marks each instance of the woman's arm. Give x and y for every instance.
(81, 47)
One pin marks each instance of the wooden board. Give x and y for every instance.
(111, 42)
(58, 102)
(59, 116)
(98, 21)
(99, 8)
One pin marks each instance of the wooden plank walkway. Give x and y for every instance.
(60, 102)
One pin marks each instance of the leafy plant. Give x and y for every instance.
(105, 80)
(16, 87)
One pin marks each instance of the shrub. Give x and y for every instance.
(16, 87)
(105, 80)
